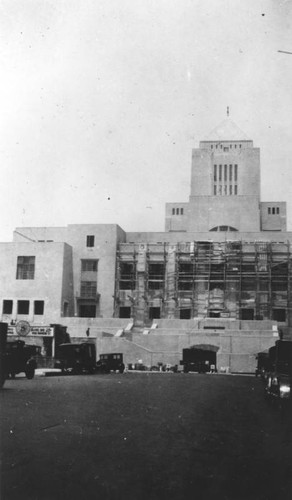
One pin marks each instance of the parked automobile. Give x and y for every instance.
(110, 362)
(76, 358)
(279, 379)
(19, 358)
(3, 337)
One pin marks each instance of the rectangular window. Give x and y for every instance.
(181, 211)
(215, 173)
(225, 190)
(124, 312)
(230, 190)
(173, 211)
(23, 307)
(127, 276)
(269, 210)
(25, 268)
(7, 306)
(225, 173)
(90, 240)
(156, 273)
(39, 307)
(277, 210)
(177, 211)
(89, 265)
(220, 172)
(215, 190)
(225, 149)
(273, 210)
(230, 173)
(88, 289)
(235, 173)
(220, 190)
(235, 189)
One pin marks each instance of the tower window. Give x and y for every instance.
(225, 173)
(273, 210)
(173, 211)
(215, 173)
(181, 211)
(269, 210)
(277, 210)
(90, 241)
(235, 173)
(235, 189)
(177, 211)
(220, 172)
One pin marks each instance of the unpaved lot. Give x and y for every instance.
(143, 436)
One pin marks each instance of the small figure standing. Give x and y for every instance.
(88, 332)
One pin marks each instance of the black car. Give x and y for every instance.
(110, 362)
(76, 358)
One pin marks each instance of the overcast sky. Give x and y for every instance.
(102, 101)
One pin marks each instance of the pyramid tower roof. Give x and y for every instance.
(227, 130)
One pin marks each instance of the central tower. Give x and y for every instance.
(225, 182)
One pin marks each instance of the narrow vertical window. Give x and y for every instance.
(215, 173)
(220, 172)
(225, 190)
(225, 173)
(235, 189)
(235, 173)
(177, 211)
(269, 210)
(90, 241)
(181, 211)
(230, 190)
(230, 173)
(215, 190)
(273, 210)
(173, 211)
(277, 210)
(220, 189)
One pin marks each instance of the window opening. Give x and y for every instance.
(25, 268)
(23, 307)
(90, 240)
(7, 306)
(39, 307)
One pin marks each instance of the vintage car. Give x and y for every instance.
(279, 379)
(19, 358)
(76, 358)
(110, 362)
(278, 386)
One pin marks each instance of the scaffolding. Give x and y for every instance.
(229, 279)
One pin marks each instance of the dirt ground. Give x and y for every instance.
(143, 436)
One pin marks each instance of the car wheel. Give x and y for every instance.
(29, 372)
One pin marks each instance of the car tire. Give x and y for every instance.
(29, 372)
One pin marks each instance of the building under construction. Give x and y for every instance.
(218, 277)
(204, 279)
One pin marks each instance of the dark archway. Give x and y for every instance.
(200, 358)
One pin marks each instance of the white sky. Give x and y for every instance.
(101, 102)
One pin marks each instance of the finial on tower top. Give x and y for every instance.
(227, 110)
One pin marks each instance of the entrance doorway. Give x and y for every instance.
(154, 312)
(87, 311)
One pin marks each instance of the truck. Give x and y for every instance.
(279, 378)
(198, 360)
(76, 358)
(19, 358)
